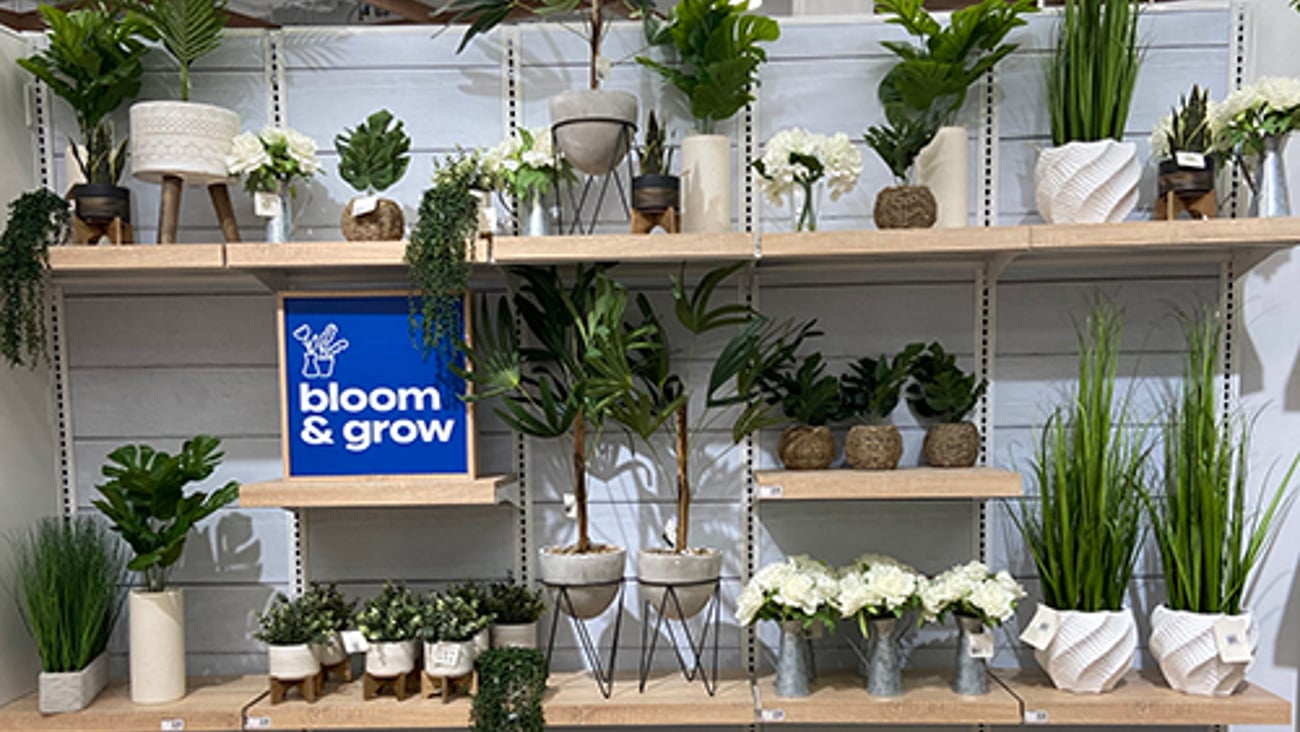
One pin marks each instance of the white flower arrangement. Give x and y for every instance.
(272, 158)
(971, 589)
(799, 588)
(525, 161)
(876, 586)
(1270, 107)
(797, 157)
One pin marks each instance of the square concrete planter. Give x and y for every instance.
(74, 690)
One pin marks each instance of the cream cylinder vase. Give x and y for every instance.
(184, 139)
(157, 626)
(1087, 182)
(1083, 652)
(706, 184)
(943, 166)
(1187, 648)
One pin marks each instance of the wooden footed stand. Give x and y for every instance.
(341, 671)
(310, 688)
(1170, 206)
(643, 222)
(449, 687)
(170, 212)
(117, 231)
(401, 686)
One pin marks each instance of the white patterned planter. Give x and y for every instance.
(292, 662)
(74, 690)
(387, 660)
(1186, 648)
(1087, 182)
(1083, 652)
(184, 139)
(446, 658)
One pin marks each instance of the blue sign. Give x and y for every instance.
(360, 398)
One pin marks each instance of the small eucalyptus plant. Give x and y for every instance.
(330, 609)
(289, 622)
(451, 618)
(394, 615)
(509, 603)
(374, 155)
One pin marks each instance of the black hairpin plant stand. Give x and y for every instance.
(691, 663)
(592, 190)
(603, 672)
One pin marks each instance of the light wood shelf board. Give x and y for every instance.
(896, 242)
(213, 703)
(342, 707)
(140, 258)
(362, 492)
(1182, 234)
(731, 246)
(842, 698)
(315, 255)
(1142, 699)
(901, 484)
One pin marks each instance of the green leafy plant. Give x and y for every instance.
(655, 155)
(1090, 467)
(68, 580)
(900, 141)
(145, 499)
(1093, 70)
(374, 155)
(451, 618)
(328, 607)
(807, 395)
(188, 29)
(512, 682)
(940, 390)
(289, 622)
(1210, 538)
(396, 614)
(513, 604)
(1189, 124)
(37, 220)
(718, 53)
(872, 386)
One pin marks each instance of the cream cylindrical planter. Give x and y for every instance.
(292, 662)
(1186, 647)
(706, 184)
(943, 166)
(514, 635)
(1087, 182)
(1084, 652)
(390, 659)
(482, 640)
(157, 626)
(73, 690)
(448, 658)
(184, 139)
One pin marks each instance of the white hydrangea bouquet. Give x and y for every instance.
(273, 159)
(798, 589)
(526, 162)
(795, 160)
(1268, 108)
(876, 586)
(974, 591)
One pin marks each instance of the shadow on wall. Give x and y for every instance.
(227, 550)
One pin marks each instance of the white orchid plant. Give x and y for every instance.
(798, 588)
(877, 586)
(525, 162)
(973, 590)
(799, 158)
(272, 159)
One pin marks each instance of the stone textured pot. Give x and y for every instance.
(594, 127)
(873, 447)
(331, 651)
(803, 447)
(905, 207)
(514, 635)
(1087, 182)
(592, 579)
(794, 661)
(100, 203)
(1090, 651)
(943, 166)
(699, 569)
(385, 223)
(73, 690)
(184, 139)
(706, 184)
(387, 660)
(951, 445)
(157, 626)
(1184, 645)
(292, 662)
(448, 658)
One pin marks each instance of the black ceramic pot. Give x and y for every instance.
(1186, 182)
(656, 193)
(100, 203)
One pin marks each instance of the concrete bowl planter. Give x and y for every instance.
(592, 580)
(594, 127)
(72, 691)
(694, 575)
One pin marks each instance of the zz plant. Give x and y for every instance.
(872, 386)
(940, 391)
(37, 220)
(375, 154)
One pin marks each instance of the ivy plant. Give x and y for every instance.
(511, 684)
(37, 220)
(374, 155)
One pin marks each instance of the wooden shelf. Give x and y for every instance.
(315, 255)
(1152, 235)
(841, 698)
(896, 243)
(213, 703)
(1142, 699)
(137, 258)
(731, 246)
(901, 484)
(431, 490)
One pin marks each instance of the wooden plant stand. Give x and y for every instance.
(117, 231)
(448, 687)
(644, 222)
(169, 213)
(310, 688)
(402, 685)
(341, 671)
(1169, 206)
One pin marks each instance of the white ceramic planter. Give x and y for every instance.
(1089, 652)
(1087, 182)
(386, 660)
(943, 166)
(73, 690)
(1185, 646)
(446, 658)
(292, 662)
(331, 651)
(592, 580)
(184, 139)
(591, 127)
(694, 575)
(157, 625)
(514, 635)
(706, 184)
(482, 641)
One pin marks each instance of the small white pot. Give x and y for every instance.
(943, 166)
(706, 184)
(183, 139)
(595, 127)
(514, 635)
(331, 651)
(292, 663)
(482, 641)
(386, 660)
(157, 626)
(592, 580)
(447, 658)
(1089, 652)
(695, 576)
(1186, 648)
(1087, 182)
(73, 690)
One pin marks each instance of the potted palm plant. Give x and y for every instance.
(373, 157)
(870, 394)
(390, 622)
(450, 624)
(332, 613)
(718, 53)
(37, 220)
(1210, 538)
(1184, 144)
(942, 395)
(145, 497)
(291, 631)
(1084, 530)
(94, 63)
(1090, 84)
(515, 610)
(68, 580)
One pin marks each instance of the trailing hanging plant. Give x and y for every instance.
(1094, 70)
(396, 614)
(872, 386)
(289, 622)
(374, 155)
(188, 29)
(510, 688)
(940, 390)
(37, 220)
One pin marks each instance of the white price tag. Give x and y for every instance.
(258, 723)
(172, 725)
(772, 715)
(980, 645)
(354, 642)
(1035, 716)
(570, 506)
(1232, 636)
(770, 491)
(266, 205)
(1042, 629)
(447, 655)
(363, 205)
(1190, 160)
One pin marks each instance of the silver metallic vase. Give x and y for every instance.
(794, 661)
(1271, 197)
(884, 665)
(971, 677)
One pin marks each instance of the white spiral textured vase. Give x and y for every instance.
(1087, 182)
(184, 139)
(1091, 651)
(943, 166)
(1185, 647)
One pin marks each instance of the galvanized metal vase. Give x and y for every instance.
(1271, 198)
(971, 677)
(884, 665)
(538, 218)
(279, 227)
(794, 661)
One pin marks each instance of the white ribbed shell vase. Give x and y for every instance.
(1185, 646)
(1087, 182)
(1091, 651)
(183, 139)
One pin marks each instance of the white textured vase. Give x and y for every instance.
(73, 690)
(943, 166)
(183, 139)
(447, 658)
(1184, 645)
(390, 659)
(1087, 182)
(157, 626)
(292, 662)
(1090, 651)
(706, 184)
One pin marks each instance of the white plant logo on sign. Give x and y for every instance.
(319, 350)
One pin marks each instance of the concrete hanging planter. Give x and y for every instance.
(1084, 652)
(157, 624)
(591, 580)
(593, 127)
(1087, 182)
(705, 187)
(1185, 646)
(183, 139)
(693, 575)
(73, 690)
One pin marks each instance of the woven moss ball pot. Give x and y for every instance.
(385, 223)
(873, 447)
(803, 447)
(951, 445)
(905, 207)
